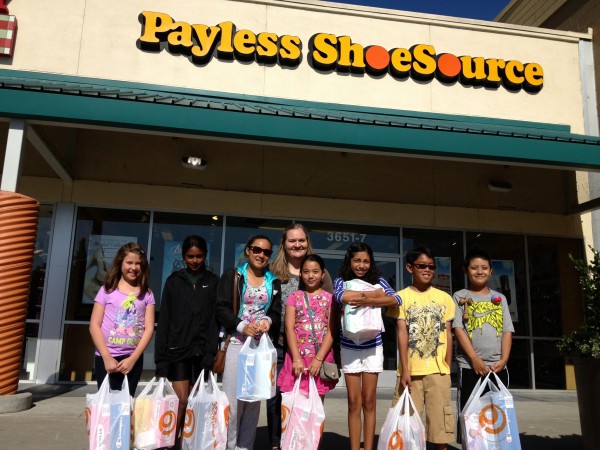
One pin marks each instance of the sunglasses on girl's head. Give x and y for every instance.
(256, 250)
(425, 266)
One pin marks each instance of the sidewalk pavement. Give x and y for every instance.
(547, 419)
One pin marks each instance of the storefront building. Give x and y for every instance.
(384, 127)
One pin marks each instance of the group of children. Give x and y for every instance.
(247, 301)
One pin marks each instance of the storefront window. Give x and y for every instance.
(98, 236)
(549, 365)
(519, 364)
(168, 233)
(31, 341)
(36, 291)
(240, 229)
(40, 258)
(338, 237)
(556, 298)
(77, 356)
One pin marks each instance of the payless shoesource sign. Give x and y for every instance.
(328, 52)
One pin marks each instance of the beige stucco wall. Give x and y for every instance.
(97, 38)
(298, 207)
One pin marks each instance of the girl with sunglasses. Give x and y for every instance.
(362, 362)
(257, 310)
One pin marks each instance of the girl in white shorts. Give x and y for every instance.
(362, 362)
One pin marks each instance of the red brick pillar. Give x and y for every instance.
(18, 226)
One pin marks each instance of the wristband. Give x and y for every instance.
(318, 358)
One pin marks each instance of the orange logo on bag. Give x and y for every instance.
(88, 413)
(226, 414)
(395, 441)
(272, 374)
(285, 411)
(167, 422)
(190, 424)
(494, 424)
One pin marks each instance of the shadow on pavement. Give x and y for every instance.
(45, 391)
(571, 442)
(330, 440)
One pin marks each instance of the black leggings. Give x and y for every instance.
(116, 379)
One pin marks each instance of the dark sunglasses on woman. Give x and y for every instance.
(256, 250)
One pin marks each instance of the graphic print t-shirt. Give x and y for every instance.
(123, 323)
(426, 315)
(485, 325)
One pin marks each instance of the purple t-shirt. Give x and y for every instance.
(124, 320)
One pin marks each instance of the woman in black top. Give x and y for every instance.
(187, 333)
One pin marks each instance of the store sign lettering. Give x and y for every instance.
(328, 52)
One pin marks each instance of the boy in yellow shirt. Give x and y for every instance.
(425, 343)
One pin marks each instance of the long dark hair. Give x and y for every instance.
(114, 273)
(372, 276)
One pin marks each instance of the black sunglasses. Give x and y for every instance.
(425, 266)
(256, 250)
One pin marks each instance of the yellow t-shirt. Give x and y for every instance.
(427, 315)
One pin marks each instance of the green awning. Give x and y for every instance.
(63, 99)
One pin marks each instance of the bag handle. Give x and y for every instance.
(194, 391)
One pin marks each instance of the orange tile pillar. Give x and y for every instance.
(18, 225)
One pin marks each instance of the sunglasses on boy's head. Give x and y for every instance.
(425, 266)
(256, 250)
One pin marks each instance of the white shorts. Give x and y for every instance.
(357, 361)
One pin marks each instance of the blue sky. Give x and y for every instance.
(473, 9)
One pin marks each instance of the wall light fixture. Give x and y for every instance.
(193, 162)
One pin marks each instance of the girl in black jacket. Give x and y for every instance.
(187, 333)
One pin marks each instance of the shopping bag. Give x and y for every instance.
(361, 323)
(206, 417)
(257, 370)
(488, 420)
(108, 417)
(155, 416)
(302, 417)
(401, 429)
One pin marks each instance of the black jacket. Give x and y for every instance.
(224, 308)
(186, 323)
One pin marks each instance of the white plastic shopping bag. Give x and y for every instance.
(401, 429)
(108, 417)
(206, 417)
(257, 370)
(361, 323)
(488, 420)
(302, 418)
(155, 416)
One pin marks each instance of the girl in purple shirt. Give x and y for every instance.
(122, 320)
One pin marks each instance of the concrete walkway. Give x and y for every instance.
(548, 420)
